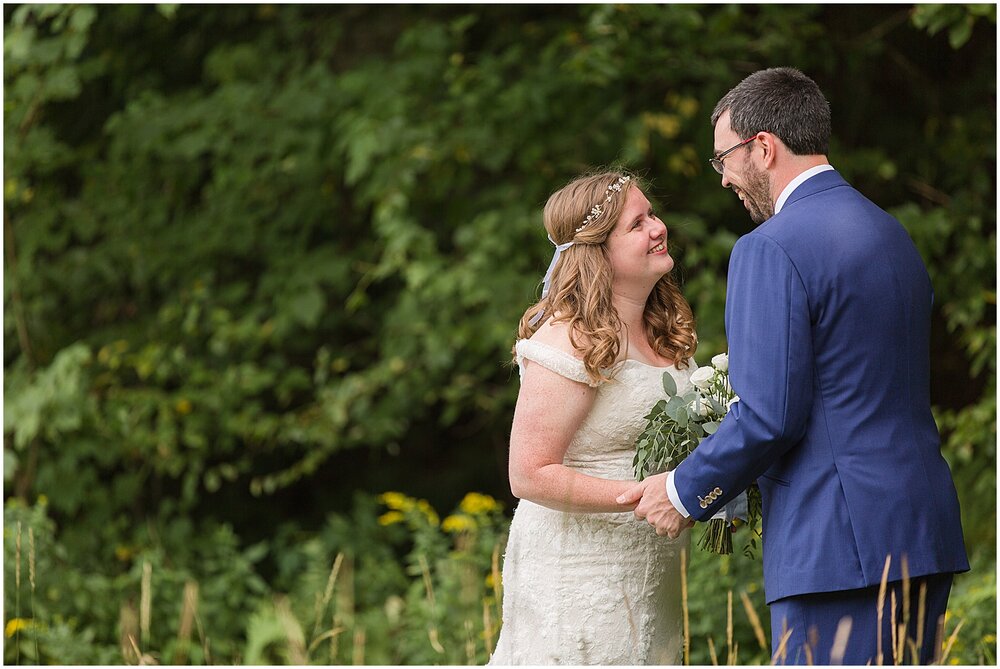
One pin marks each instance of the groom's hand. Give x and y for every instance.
(655, 508)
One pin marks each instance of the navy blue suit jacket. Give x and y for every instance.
(828, 322)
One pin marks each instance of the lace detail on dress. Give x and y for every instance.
(593, 588)
(551, 358)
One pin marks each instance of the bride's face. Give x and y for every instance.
(637, 245)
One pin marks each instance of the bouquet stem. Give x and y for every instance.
(718, 537)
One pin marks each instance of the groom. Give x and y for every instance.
(828, 320)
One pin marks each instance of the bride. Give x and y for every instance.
(584, 581)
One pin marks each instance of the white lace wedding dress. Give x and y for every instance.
(593, 588)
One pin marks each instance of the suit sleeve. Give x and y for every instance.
(771, 370)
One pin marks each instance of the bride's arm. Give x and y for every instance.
(549, 410)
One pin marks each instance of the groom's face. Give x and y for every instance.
(741, 174)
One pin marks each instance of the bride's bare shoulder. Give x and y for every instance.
(556, 335)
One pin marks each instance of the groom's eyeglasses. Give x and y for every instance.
(716, 162)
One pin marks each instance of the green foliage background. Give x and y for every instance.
(264, 262)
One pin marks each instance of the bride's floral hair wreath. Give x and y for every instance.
(579, 283)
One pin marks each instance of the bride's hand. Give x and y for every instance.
(655, 508)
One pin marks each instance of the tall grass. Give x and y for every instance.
(433, 598)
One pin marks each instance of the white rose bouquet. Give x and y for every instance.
(676, 425)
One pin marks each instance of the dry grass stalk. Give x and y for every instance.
(939, 641)
(951, 640)
(17, 564)
(128, 626)
(31, 558)
(754, 619)
(432, 631)
(204, 640)
(782, 650)
(330, 633)
(470, 644)
(468, 574)
(294, 635)
(892, 624)
(189, 608)
(334, 640)
(881, 608)
(905, 567)
(711, 652)
(343, 614)
(428, 584)
(730, 660)
(921, 618)
(434, 637)
(899, 651)
(327, 593)
(31, 580)
(487, 628)
(145, 601)
(17, 591)
(345, 594)
(684, 606)
(144, 659)
(840, 638)
(358, 654)
(497, 578)
(809, 654)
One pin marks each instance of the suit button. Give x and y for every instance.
(717, 491)
(704, 504)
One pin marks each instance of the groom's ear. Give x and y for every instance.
(771, 145)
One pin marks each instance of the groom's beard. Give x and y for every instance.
(757, 194)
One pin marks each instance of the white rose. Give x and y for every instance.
(699, 407)
(721, 362)
(702, 377)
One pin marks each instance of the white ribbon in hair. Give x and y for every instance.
(548, 276)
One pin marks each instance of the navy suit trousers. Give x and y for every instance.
(813, 619)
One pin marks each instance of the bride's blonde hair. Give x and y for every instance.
(580, 285)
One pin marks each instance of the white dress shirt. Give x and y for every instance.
(675, 499)
(796, 182)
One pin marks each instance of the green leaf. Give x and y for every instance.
(307, 306)
(669, 384)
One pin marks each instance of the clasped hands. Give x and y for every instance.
(654, 506)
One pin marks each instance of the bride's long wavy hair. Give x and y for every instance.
(580, 285)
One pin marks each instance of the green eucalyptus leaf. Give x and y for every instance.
(669, 384)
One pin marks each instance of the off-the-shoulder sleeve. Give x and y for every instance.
(553, 359)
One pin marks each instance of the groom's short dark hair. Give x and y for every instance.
(781, 101)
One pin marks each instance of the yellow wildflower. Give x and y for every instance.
(475, 503)
(183, 407)
(124, 553)
(396, 500)
(42, 500)
(15, 625)
(390, 518)
(428, 511)
(990, 638)
(458, 523)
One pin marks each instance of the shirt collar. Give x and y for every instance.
(798, 181)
